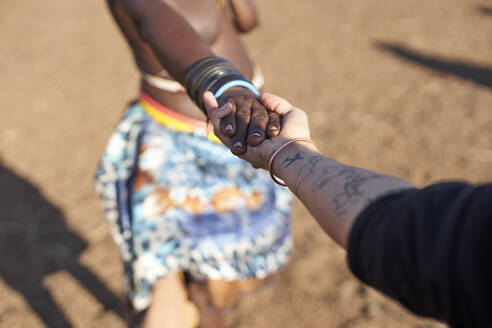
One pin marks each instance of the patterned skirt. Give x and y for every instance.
(176, 199)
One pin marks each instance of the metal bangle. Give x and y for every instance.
(276, 152)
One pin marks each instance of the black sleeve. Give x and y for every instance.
(430, 249)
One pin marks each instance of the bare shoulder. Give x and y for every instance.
(185, 7)
(202, 15)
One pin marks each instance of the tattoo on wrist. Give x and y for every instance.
(291, 160)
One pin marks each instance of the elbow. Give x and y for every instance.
(246, 24)
(244, 14)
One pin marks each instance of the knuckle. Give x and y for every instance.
(222, 101)
(250, 100)
(223, 123)
(244, 106)
(259, 115)
(247, 100)
(227, 119)
(243, 111)
(240, 119)
(255, 131)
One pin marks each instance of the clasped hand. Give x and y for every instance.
(259, 121)
(247, 122)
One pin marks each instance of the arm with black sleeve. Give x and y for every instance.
(430, 249)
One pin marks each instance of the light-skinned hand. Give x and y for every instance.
(294, 125)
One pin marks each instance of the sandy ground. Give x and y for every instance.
(403, 87)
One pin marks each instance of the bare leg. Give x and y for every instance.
(225, 294)
(251, 285)
(210, 316)
(170, 307)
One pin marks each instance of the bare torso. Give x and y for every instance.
(210, 21)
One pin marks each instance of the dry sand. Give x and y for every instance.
(403, 87)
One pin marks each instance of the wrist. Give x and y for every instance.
(234, 91)
(241, 85)
(216, 75)
(291, 157)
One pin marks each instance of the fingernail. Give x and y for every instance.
(273, 128)
(238, 144)
(228, 128)
(256, 134)
(225, 107)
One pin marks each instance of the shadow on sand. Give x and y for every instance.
(486, 11)
(481, 75)
(35, 242)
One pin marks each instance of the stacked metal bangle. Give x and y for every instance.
(213, 74)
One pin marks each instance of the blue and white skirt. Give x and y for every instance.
(178, 200)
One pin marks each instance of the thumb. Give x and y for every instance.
(211, 106)
(275, 103)
(213, 112)
(210, 102)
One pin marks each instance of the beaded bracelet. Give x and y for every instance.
(275, 153)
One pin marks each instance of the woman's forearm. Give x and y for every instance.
(333, 193)
(174, 41)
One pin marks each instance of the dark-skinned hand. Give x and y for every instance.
(249, 123)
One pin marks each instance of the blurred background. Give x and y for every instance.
(402, 87)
